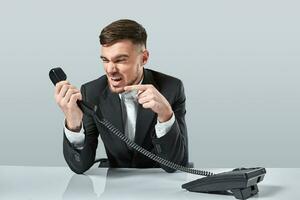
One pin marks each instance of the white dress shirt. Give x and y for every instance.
(129, 107)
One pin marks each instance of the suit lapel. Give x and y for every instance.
(145, 117)
(111, 108)
(110, 105)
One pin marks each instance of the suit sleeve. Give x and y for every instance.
(173, 145)
(80, 160)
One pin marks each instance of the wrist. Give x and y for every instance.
(73, 127)
(165, 116)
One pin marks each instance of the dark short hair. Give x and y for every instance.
(123, 29)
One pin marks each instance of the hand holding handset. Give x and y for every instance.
(242, 182)
(56, 75)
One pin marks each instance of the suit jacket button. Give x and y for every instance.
(77, 158)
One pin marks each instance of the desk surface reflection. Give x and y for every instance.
(17, 182)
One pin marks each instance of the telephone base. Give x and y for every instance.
(245, 193)
(241, 182)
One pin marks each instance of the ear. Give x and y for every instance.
(145, 57)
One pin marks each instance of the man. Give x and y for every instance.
(147, 106)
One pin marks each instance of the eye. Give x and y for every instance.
(104, 60)
(121, 60)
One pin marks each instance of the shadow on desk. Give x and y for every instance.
(269, 190)
(80, 187)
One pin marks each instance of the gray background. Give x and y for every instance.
(239, 61)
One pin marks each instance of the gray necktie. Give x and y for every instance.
(129, 106)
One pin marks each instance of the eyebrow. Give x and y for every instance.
(116, 57)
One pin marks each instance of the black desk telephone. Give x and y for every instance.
(241, 182)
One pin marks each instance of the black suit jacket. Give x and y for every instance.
(173, 146)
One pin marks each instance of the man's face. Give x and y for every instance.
(123, 63)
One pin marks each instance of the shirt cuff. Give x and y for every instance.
(163, 128)
(77, 139)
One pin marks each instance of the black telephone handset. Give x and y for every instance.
(56, 75)
(242, 182)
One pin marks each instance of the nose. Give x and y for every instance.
(111, 68)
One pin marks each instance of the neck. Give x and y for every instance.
(140, 78)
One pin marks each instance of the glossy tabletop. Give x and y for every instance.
(17, 182)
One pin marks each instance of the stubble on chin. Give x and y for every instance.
(115, 90)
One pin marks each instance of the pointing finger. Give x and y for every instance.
(136, 87)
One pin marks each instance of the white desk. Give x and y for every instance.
(61, 183)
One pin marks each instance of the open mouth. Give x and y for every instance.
(116, 78)
(115, 81)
